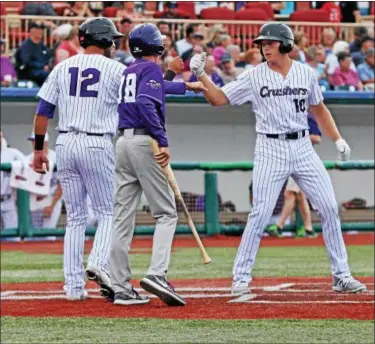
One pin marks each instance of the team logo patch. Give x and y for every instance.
(153, 84)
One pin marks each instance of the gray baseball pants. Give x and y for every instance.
(136, 171)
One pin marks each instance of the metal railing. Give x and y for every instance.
(14, 28)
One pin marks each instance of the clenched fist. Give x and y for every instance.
(344, 149)
(40, 160)
(197, 63)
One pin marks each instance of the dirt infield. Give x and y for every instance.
(278, 298)
(144, 244)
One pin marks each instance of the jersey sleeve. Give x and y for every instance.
(239, 91)
(50, 88)
(151, 84)
(315, 95)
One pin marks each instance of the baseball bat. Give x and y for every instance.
(176, 190)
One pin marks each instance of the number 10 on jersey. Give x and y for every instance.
(127, 89)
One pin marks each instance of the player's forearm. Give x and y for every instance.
(213, 94)
(326, 121)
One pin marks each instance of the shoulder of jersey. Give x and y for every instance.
(151, 67)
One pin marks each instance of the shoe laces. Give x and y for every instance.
(346, 280)
(169, 284)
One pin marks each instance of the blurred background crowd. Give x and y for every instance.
(339, 64)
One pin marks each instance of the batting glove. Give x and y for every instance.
(197, 63)
(344, 149)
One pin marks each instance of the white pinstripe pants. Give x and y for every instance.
(85, 166)
(276, 160)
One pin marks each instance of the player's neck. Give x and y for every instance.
(281, 66)
(151, 58)
(93, 50)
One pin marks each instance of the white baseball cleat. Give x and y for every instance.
(240, 288)
(78, 297)
(347, 284)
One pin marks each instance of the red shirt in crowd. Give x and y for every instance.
(333, 10)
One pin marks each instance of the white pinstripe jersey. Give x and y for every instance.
(281, 105)
(85, 88)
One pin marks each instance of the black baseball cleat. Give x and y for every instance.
(130, 297)
(160, 287)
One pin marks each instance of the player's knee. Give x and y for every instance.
(330, 210)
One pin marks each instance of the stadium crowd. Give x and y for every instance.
(338, 64)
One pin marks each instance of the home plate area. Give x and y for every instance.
(269, 298)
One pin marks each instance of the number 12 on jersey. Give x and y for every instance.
(127, 91)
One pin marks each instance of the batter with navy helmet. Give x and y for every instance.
(142, 117)
(282, 92)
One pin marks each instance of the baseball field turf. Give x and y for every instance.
(291, 299)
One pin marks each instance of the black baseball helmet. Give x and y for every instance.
(277, 32)
(98, 31)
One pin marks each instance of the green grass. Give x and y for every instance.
(95, 330)
(186, 263)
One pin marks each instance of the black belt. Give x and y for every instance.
(136, 131)
(290, 136)
(88, 134)
(5, 197)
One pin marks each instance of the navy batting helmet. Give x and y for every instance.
(146, 40)
(98, 31)
(277, 32)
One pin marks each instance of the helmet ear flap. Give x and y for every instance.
(286, 48)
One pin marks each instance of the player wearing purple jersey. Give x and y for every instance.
(142, 117)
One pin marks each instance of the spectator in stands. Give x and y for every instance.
(32, 57)
(197, 40)
(301, 41)
(126, 25)
(38, 8)
(96, 8)
(211, 71)
(7, 71)
(332, 62)
(277, 6)
(238, 58)
(319, 68)
(359, 33)
(350, 12)
(253, 57)
(366, 70)
(320, 54)
(77, 9)
(169, 47)
(171, 12)
(223, 42)
(68, 47)
(366, 43)
(343, 75)
(214, 34)
(163, 28)
(295, 53)
(127, 10)
(328, 40)
(186, 43)
(228, 72)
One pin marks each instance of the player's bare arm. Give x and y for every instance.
(40, 158)
(213, 94)
(327, 123)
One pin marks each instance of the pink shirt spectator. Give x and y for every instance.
(345, 78)
(218, 52)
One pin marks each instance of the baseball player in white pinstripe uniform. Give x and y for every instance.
(85, 89)
(282, 91)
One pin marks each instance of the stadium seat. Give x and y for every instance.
(313, 33)
(213, 13)
(264, 6)
(310, 16)
(252, 14)
(181, 14)
(60, 7)
(110, 12)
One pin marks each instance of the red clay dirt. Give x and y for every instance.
(277, 298)
(144, 244)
